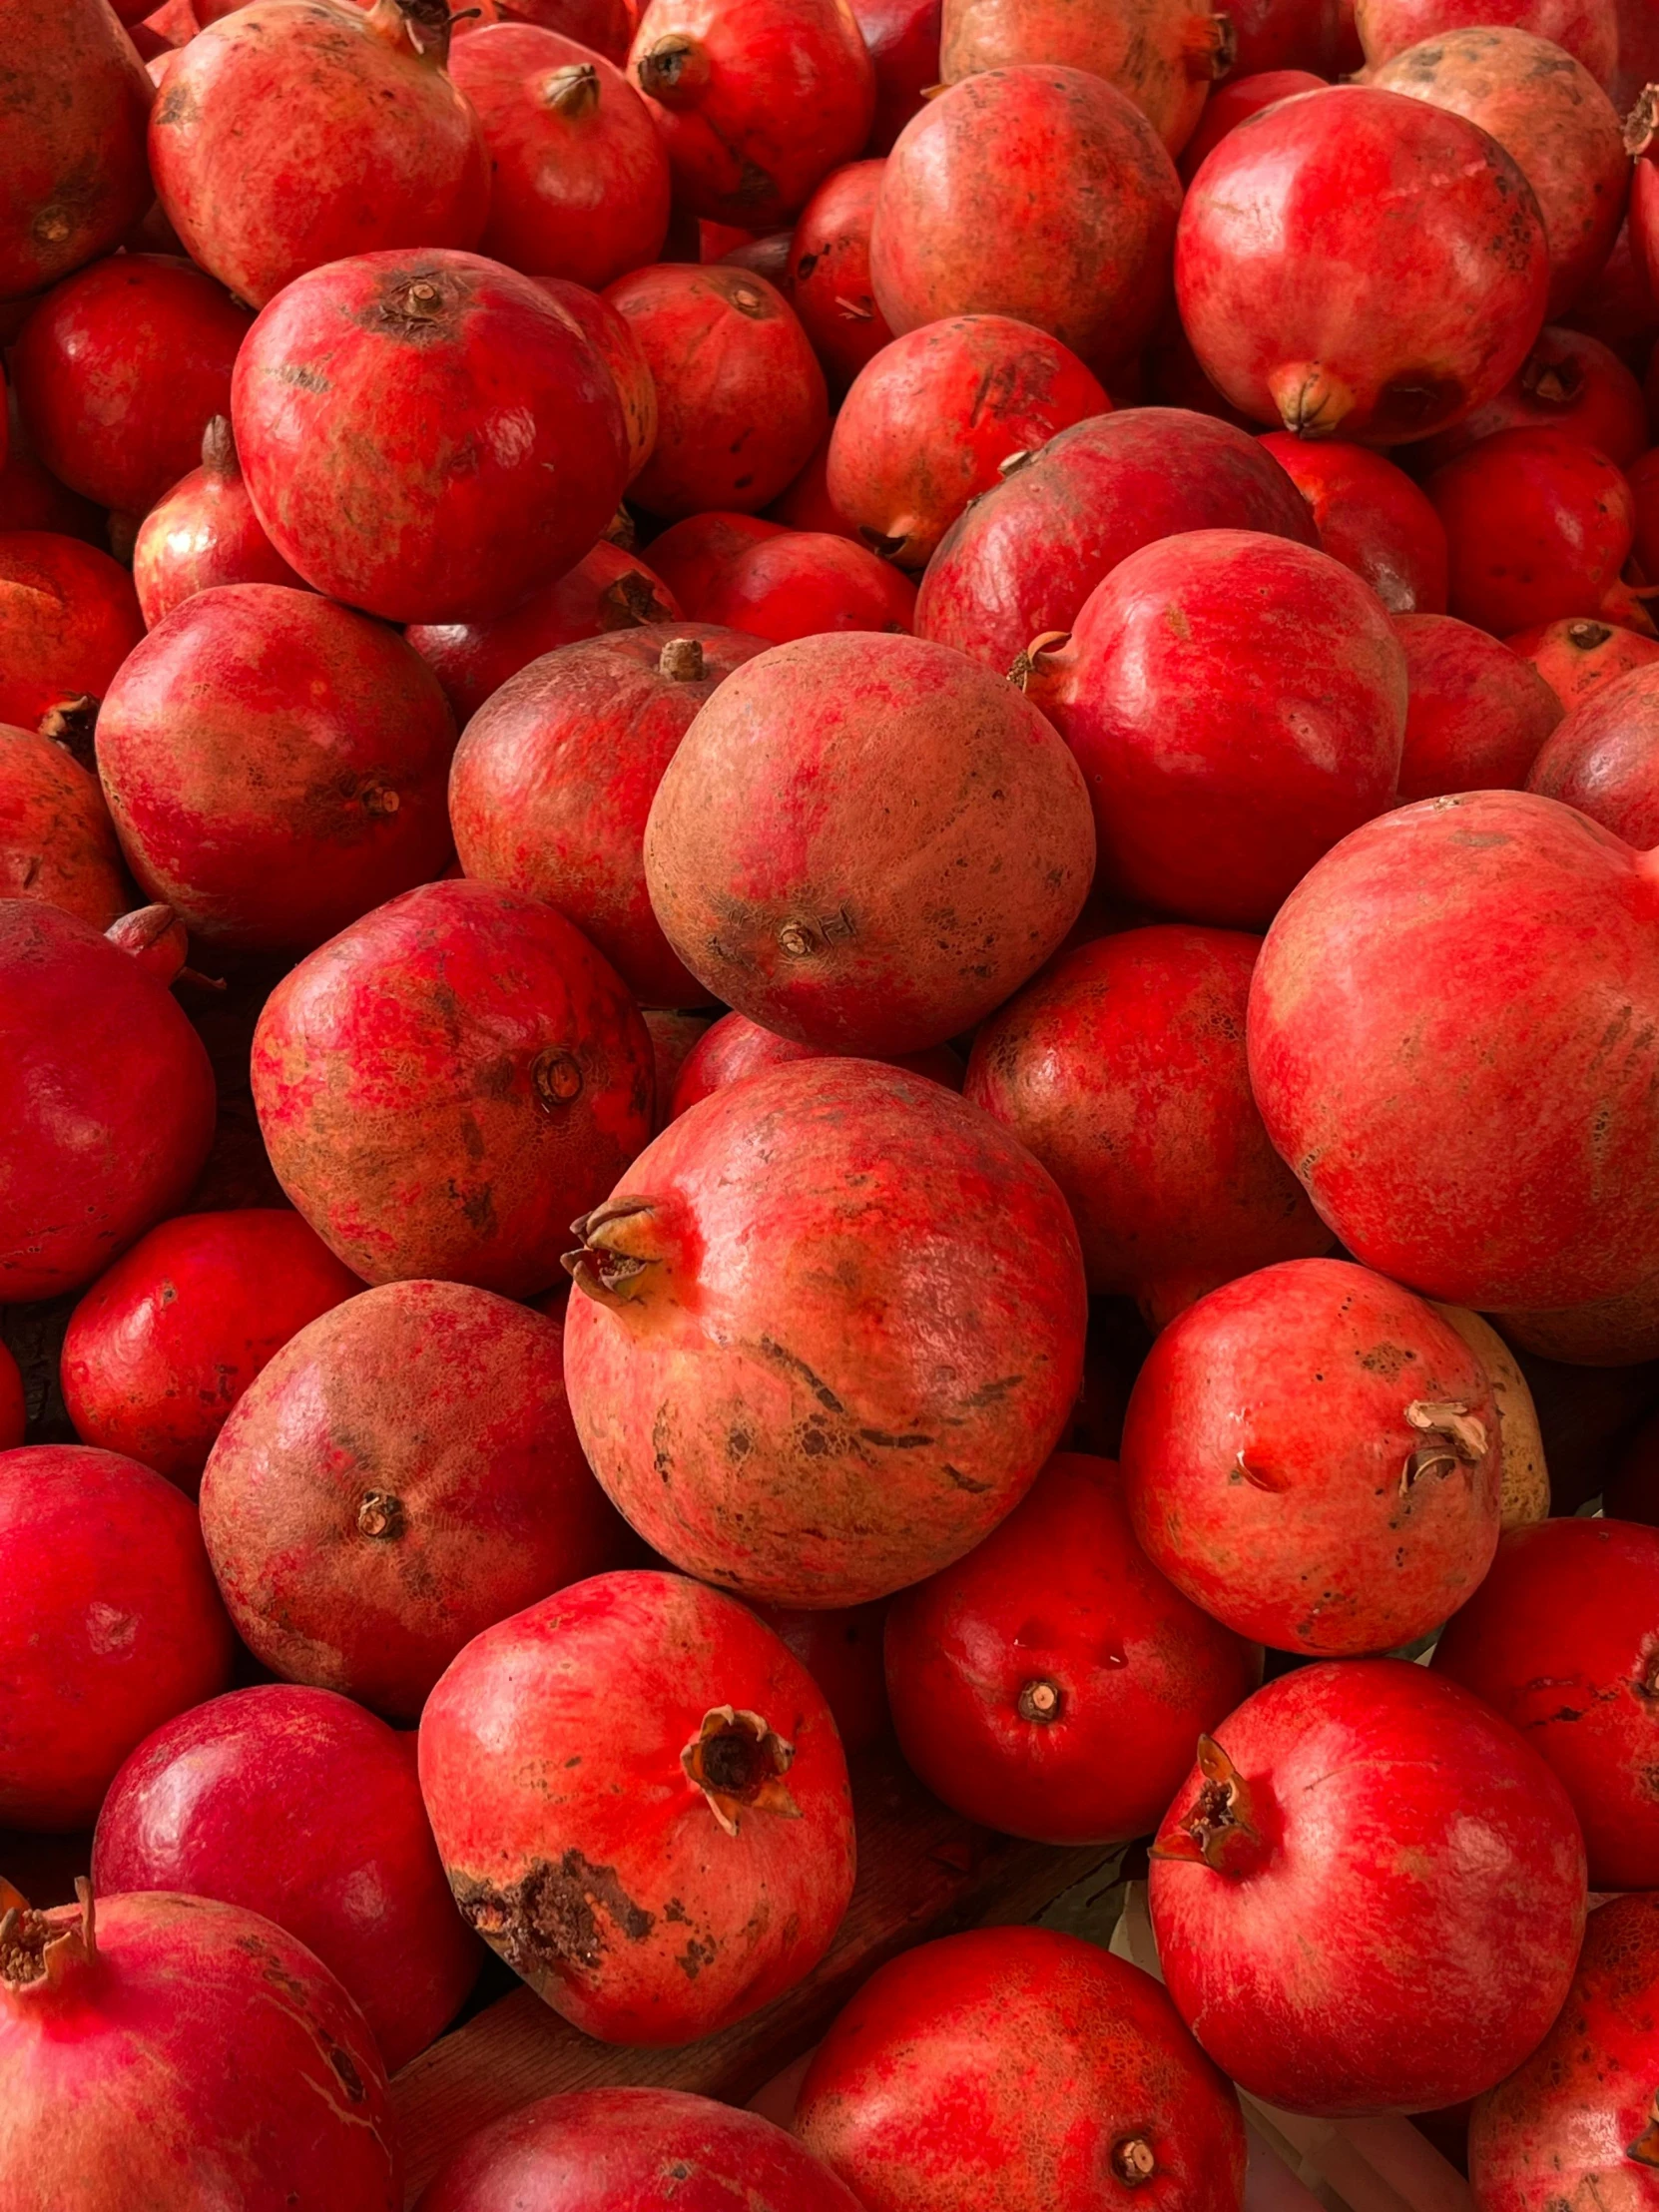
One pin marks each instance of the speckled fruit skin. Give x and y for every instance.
(1604, 758)
(165, 1343)
(735, 1048)
(1587, 29)
(200, 2052)
(620, 350)
(1579, 658)
(1074, 2058)
(1372, 518)
(113, 1625)
(1122, 1068)
(866, 842)
(57, 843)
(67, 618)
(829, 285)
(1345, 1802)
(1040, 194)
(693, 556)
(356, 1877)
(1052, 1683)
(1234, 103)
(377, 149)
(1570, 382)
(828, 1327)
(447, 1084)
(107, 1094)
(1022, 560)
(276, 765)
(203, 532)
(1237, 704)
(903, 41)
(1477, 712)
(642, 1804)
(1444, 267)
(842, 1650)
(553, 782)
(809, 583)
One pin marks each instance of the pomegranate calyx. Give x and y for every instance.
(615, 1252)
(631, 602)
(219, 450)
(1210, 47)
(416, 302)
(1552, 383)
(1038, 661)
(556, 1076)
(1041, 1700)
(739, 1761)
(681, 661)
(674, 72)
(884, 548)
(1644, 2152)
(1133, 2160)
(623, 531)
(1641, 123)
(572, 91)
(38, 1947)
(71, 722)
(1221, 1829)
(1451, 1436)
(421, 27)
(1311, 404)
(1586, 637)
(381, 1516)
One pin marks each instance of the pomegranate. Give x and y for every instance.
(840, 1648)
(1525, 1489)
(554, 779)
(1638, 52)
(206, 2055)
(111, 1626)
(425, 435)
(806, 583)
(807, 504)
(693, 556)
(14, 1410)
(755, 103)
(579, 175)
(1604, 758)
(735, 1048)
(447, 1083)
(641, 1803)
(1476, 712)
(903, 41)
(1643, 478)
(1618, 306)
(1575, 658)
(880, 879)
(1235, 102)
(1333, 1809)
(67, 618)
(673, 1038)
(57, 842)
(1084, 2086)
(203, 532)
(1313, 35)
(1587, 29)
(357, 1879)
(1372, 518)
(1570, 382)
(617, 346)
(741, 398)
(875, 1218)
(828, 273)
(1445, 299)
(767, 256)
(166, 1342)
(31, 499)
(1051, 1684)
(1040, 194)
(306, 131)
(605, 25)
(158, 941)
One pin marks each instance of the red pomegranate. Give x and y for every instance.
(806, 583)
(357, 1879)
(641, 1803)
(1639, 140)
(767, 256)
(425, 435)
(1575, 658)
(807, 504)
(67, 618)
(1570, 382)
(1372, 518)
(155, 939)
(14, 1410)
(846, 1221)
(580, 184)
(205, 532)
(877, 879)
(206, 2053)
(840, 1648)
(903, 41)
(1445, 299)
(1313, 35)
(57, 842)
(606, 26)
(673, 1038)
(735, 1048)
(692, 557)
(828, 271)
(166, 1342)
(1332, 1811)
(617, 346)
(1618, 306)
(755, 103)
(31, 499)
(554, 779)
(1638, 52)
(1084, 2086)
(1476, 712)
(1643, 478)
(107, 1098)
(741, 398)
(1235, 102)
(446, 1085)
(1587, 29)
(1604, 758)
(1037, 192)
(306, 131)
(110, 1627)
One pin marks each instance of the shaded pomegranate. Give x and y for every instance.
(1587, 29)
(735, 1048)
(767, 256)
(1235, 102)
(1604, 758)
(1643, 478)
(878, 1216)
(227, 2061)
(156, 940)
(902, 37)
(446, 1085)
(806, 583)
(617, 346)
(1080, 2071)
(1612, 1332)
(828, 273)
(14, 1410)
(67, 618)
(605, 25)
(112, 1626)
(380, 408)
(1332, 1808)
(807, 505)
(1372, 518)
(1444, 304)
(693, 556)
(840, 1648)
(579, 178)
(1477, 712)
(673, 1036)
(1525, 1489)
(1638, 52)
(672, 1788)
(1314, 35)
(554, 779)
(1570, 382)
(31, 499)
(1040, 194)
(1577, 658)
(57, 842)
(205, 532)
(775, 830)
(166, 1342)
(377, 149)
(1618, 306)
(741, 398)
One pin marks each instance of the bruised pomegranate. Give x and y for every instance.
(808, 582)
(1570, 382)
(828, 271)
(903, 41)
(1372, 518)
(1604, 758)
(1235, 102)
(57, 842)
(1587, 29)
(67, 618)
(673, 1791)
(898, 1343)
(692, 557)
(617, 346)
(203, 532)
(735, 1048)
(1577, 658)
(1476, 712)
(1332, 1810)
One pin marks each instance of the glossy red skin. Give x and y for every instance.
(828, 271)
(1587, 29)
(1571, 382)
(1578, 658)
(740, 397)
(1235, 102)
(617, 346)
(693, 556)
(108, 1096)
(1385, 1798)
(57, 843)
(1037, 192)
(903, 41)
(1434, 310)
(1485, 938)
(112, 1626)
(205, 532)
(163, 1344)
(842, 1650)
(808, 583)
(735, 1048)
(377, 150)
(775, 1313)
(554, 779)
(1476, 711)
(605, 25)
(1060, 1595)
(1604, 758)
(1313, 35)
(996, 2071)
(1372, 518)
(879, 879)
(67, 618)
(387, 455)
(580, 184)
(771, 97)
(394, 1076)
(14, 1410)
(592, 1831)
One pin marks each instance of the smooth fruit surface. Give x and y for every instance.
(1604, 758)
(1476, 714)
(806, 583)
(67, 618)
(1372, 518)
(203, 532)
(735, 1048)
(828, 284)
(57, 842)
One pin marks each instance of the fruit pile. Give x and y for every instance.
(826, 831)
